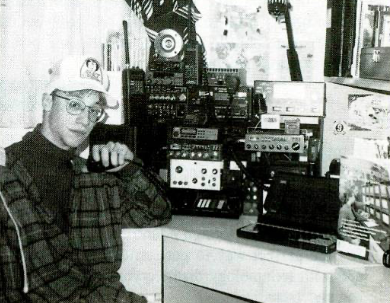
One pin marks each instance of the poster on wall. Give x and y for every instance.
(367, 182)
(235, 35)
(244, 34)
(368, 112)
(239, 55)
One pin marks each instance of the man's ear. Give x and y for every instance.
(47, 102)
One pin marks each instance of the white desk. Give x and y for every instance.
(204, 261)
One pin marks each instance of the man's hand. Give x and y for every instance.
(115, 154)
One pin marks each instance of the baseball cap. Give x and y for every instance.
(80, 72)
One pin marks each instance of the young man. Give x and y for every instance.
(60, 225)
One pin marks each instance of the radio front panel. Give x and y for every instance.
(276, 143)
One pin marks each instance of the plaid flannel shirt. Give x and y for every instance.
(80, 266)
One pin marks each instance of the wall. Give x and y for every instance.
(36, 33)
(242, 34)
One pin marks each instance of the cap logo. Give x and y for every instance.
(91, 70)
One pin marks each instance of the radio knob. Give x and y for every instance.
(279, 147)
(205, 155)
(286, 147)
(204, 171)
(215, 171)
(271, 146)
(248, 146)
(295, 146)
(179, 169)
(256, 146)
(264, 146)
(194, 180)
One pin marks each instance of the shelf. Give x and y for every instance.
(377, 85)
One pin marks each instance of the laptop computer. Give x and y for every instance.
(300, 211)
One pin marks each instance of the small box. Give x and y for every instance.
(375, 63)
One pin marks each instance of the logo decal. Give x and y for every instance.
(91, 70)
(339, 127)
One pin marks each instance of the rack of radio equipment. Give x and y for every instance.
(293, 143)
(200, 179)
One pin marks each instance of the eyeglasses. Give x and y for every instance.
(76, 106)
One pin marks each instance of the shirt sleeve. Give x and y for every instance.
(144, 203)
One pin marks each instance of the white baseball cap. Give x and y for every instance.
(74, 73)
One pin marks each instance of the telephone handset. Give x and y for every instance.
(94, 166)
(97, 166)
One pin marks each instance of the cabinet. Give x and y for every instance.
(204, 261)
(238, 275)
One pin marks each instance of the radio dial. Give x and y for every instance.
(295, 146)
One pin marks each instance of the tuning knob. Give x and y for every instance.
(295, 146)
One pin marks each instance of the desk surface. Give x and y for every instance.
(221, 234)
(356, 278)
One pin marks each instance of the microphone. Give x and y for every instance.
(277, 7)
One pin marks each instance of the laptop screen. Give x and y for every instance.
(304, 202)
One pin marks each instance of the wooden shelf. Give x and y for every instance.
(377, 85)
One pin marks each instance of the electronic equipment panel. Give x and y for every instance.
(274, 142)
(166, 102)
(217, 76)
(195, 174)
(238, 108)
(210, 152)
(292, 98)
(206, 203)
(195, 133)
(164, 78)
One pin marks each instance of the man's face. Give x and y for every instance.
(67, 130)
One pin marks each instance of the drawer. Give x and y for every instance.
(241, 275)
